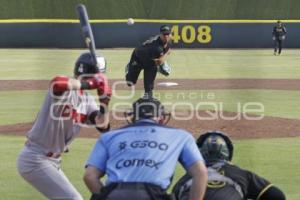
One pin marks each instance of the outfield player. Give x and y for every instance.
(279, 33)
(150, 57)
(66, 107)
(225, 180)
(140, 159)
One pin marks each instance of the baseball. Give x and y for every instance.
(130, 21)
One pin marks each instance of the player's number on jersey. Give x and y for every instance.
(189, 34)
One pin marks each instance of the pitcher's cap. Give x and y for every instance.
(164, 29)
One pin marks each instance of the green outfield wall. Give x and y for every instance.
(112, 34)
(152, 9)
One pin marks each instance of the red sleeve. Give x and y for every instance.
(59, 85)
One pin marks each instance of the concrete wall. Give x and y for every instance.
(110, 35)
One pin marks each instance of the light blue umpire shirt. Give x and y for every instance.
(144, 152)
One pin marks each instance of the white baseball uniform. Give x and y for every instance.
(57, 123)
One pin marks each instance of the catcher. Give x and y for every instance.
(225, 180)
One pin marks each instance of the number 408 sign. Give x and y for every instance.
(189, 34)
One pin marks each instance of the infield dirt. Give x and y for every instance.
(267, 127)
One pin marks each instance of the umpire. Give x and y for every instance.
(140, 158)
(225, 180)
(150, 57)
(279, 32)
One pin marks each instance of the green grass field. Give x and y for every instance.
(22, 64)
(228, 99)
(276, 159)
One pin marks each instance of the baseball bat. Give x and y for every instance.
(87, 31)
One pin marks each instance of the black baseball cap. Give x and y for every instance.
(164, 29)
(147, 108)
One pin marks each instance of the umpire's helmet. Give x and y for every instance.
(86, 65)
(215, 146)
(147, 108)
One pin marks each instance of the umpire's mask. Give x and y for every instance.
(215, 147)
(147, 108)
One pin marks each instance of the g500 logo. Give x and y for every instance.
(140, 144)
(190, 34)
(149, 144)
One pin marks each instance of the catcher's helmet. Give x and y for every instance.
(215, 146)
(147, 108)
(86, 65)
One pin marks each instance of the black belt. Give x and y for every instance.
(136, 185)
(155, 192)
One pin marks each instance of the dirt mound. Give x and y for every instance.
(237, 128)
(267, 127)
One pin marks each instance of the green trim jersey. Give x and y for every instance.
(150, 49)
(230, 183)
(279, 31)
